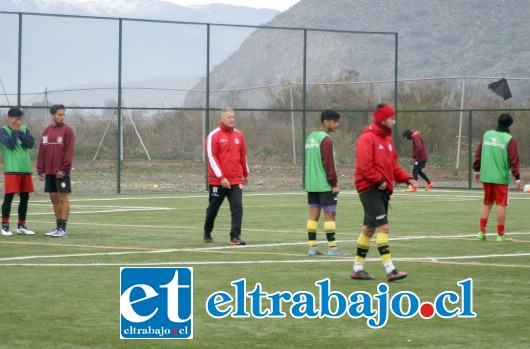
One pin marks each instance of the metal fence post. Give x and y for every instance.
(120, 130)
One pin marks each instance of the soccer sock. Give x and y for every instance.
(363, 245)
(5, 223)
(312, 232)
(500, 229)
(63, 224)
(329, 229)
(483, 223)
(58, 224)
(381, 241)
(21, 222)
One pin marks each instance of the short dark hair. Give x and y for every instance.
(55, 107)
(329, 114)
(407, 134)
(15, 113)
(505, 120)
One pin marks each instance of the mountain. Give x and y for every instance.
(145, 9)
(484, 38)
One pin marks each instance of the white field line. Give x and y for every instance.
(104, 211)
(431, 258)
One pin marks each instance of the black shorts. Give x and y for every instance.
(325, 198)
(375, 205)
(53, 184)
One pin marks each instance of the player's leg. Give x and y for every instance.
(313, 200)
(329, 206)
(6, 212)
(489, 198)
(374, 216)
(50, 187)
(63, 188)
(22, 213)
(235, 199)
(215, 199)
(502, 201)
(26, 187)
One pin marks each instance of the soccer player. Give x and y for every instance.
(54, 163)
(497, 155)
(16, 139)
(226, 152)
(376, 170)
(420, 157)
(321, 183)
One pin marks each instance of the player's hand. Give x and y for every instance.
(225, 183)
(518, 186)
(476, 176)
(60, 175)
(413, 184)
(245, 180)
(41, 176)
(335, 189)
(382, 186)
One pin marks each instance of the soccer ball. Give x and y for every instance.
(526, 188)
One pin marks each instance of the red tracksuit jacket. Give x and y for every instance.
(226, 152)
(377, 160)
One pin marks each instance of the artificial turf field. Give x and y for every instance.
(65, 293)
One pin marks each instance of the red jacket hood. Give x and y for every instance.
(376, 160)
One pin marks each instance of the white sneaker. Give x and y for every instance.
(50, 233)
(59, 234)
(6, 232)
(23, 230)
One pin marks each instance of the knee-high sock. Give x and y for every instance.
(381, 241)
(329, 229)
(312, 232)
(363, 246)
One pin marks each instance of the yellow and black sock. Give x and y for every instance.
(381, 241)
(363, 246)
(312, 232)
(329, 229)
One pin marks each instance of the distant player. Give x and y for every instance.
(321, 183)
(376, 170)
(54, 163)
(16, 139)
(496, 160)
(420, 157)
(226, 150)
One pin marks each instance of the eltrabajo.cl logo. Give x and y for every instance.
(156, 303)
(334, 304)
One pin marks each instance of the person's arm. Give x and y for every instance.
(476, 162)
(243, 159)
(364, 154)
(41, 161)
(513, 157)
(9, 141)
(326, 151)
(416, 148)
(212, 150)
(68, 155)
(27, 138)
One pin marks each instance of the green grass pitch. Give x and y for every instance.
(64, 293)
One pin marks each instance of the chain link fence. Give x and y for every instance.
(142, 95)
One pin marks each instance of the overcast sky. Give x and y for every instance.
(280, 5)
